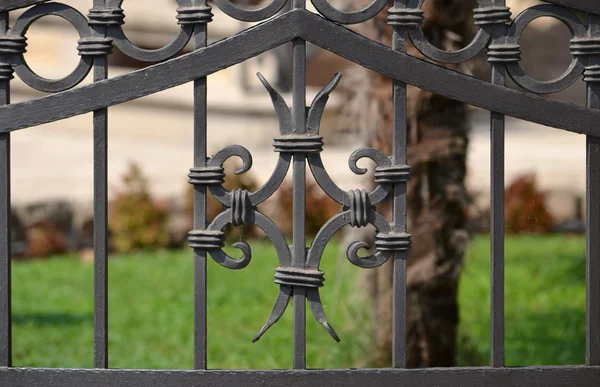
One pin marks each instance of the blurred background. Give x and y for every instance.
(150, 277)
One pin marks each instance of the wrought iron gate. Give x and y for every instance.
(298, 274)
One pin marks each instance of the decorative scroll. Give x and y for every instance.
(241, 207)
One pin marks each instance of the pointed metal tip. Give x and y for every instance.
(261, 333)
(331, 331)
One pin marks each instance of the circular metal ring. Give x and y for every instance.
(250, 15)
(476, 46)
(515, 71)
(354, 17)
(450, 57)
(78, 21)
(122, 43)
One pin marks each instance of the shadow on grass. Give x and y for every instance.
(51, 319)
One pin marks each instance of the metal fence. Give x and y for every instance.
(299, 143)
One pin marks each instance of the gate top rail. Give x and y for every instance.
(9, 5)
(590, 6)
(303, 24)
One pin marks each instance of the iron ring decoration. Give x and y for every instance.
(250, 15)
(515, 70)
(477, 45)
(116, 33)
(78, 21)
(353, 17)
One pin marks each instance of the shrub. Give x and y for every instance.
(245, 181)
(45, 239)
(526, 209)
(135, 220)
(319, 207)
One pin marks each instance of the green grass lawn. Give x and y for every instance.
(151, 314)
(545, 301)
(151, 310)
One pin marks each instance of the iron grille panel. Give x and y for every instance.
(298, 145)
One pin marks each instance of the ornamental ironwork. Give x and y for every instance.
(299, 144)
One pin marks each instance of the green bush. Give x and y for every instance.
(44, 240)
(136, 221)
(526, 209)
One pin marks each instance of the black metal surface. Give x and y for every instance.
(581, 5)
(100, 205)
(299, 144)
(457, 377)
(5, 232)
(399, 213)
(593, 208)
(497, 131)
(200, 157)
(8, 5)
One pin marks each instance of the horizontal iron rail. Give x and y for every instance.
(451, 377)
(327, 35)
(591, 6)
(7, 5)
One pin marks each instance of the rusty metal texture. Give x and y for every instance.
(299, 144)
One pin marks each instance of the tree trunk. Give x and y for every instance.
(437, 197)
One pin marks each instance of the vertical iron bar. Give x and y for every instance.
(497, 227)
(299, 192)
(497, 175)
(593, 220)
(399, 206)
(100, 212)
(497, 230)
(593, 242)
(200, 155)
(5, 248)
